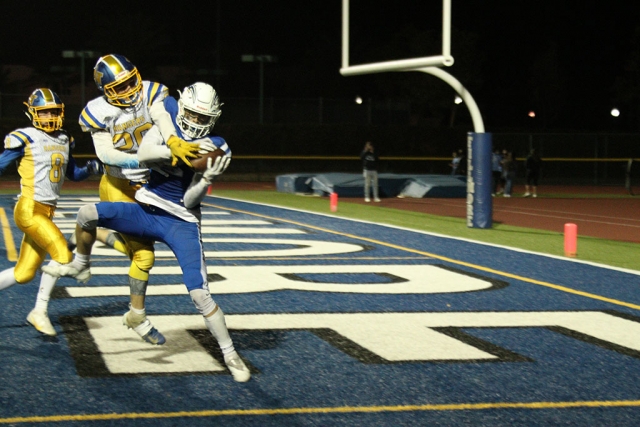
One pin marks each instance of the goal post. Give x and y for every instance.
(479, 144)
(444, 59)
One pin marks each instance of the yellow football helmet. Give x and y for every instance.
(45, 110)
(119, 80)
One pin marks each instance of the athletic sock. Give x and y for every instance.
(218, 328)
(7, 278)
(47, 283)
(81, 261)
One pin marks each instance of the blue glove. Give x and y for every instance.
(95, 167)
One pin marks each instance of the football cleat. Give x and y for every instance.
(82, 275)
(39, 319)
(237, 368)
(144, 328)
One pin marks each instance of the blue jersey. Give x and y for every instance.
(168, 184)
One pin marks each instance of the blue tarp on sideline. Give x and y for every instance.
(390, 185)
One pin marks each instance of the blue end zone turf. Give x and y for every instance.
(342, 323)
(390, 185)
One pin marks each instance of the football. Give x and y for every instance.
(200, 164)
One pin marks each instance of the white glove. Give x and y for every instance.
(215, 168)
(206, 146)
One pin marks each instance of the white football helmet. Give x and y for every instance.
(199, 109)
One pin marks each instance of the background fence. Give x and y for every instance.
(325, 135)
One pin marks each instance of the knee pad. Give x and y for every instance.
(203, 301)
(144, 259)
(88, 217)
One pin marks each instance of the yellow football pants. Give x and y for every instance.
(41, 237)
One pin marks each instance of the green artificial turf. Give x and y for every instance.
(602, 251)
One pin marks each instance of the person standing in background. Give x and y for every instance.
(508, 172)
(496, 172)
(455, 162)
(370, 171)
(533, 164)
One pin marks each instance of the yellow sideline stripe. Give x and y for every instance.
(442, 258)
(12, 254)
(327, 410)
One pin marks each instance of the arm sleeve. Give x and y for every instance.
(109, 155)
(162, 119)
(74, 173)
(196, 192)
(8, 157)
(152, 148)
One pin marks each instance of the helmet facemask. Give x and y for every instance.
(126, 91)
(119, 80)
(198, 110)
(40, 102)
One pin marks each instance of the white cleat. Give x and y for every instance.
(238, 369)
(68, 270)
(39, 319)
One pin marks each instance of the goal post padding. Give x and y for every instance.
(479, 180)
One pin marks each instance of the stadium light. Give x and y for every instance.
(261, 59)
(615, 112)
(82, 54)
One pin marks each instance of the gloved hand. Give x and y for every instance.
(182, 150)
(206, 146)
(215, 167)
(95, 167)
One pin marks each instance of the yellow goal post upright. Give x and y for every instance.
(479, 150)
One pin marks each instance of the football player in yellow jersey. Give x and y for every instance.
(117, 121)
(42, 155)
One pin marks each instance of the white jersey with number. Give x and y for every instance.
(127, 126)
(44, 163)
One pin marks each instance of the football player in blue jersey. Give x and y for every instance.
(169, 211)
(118, 121)
(43, 158)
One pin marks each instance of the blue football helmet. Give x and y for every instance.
(119, 80)
(45, 110)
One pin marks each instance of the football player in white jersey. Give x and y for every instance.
(43, 158)
(169, 211)
(117, 121)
